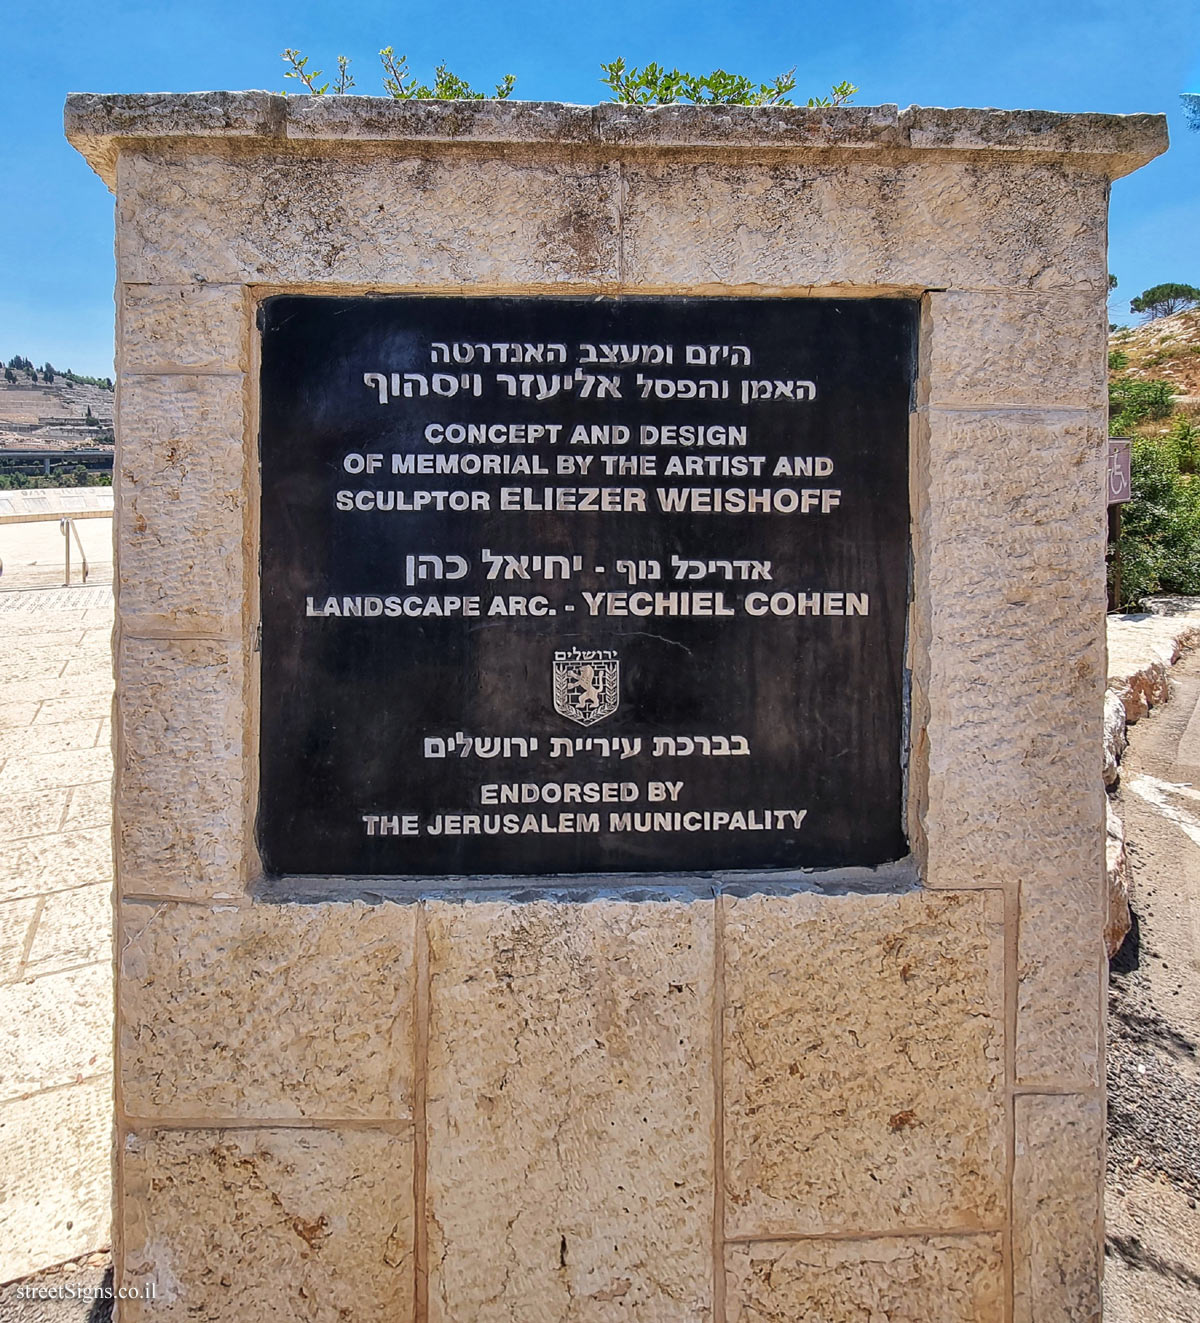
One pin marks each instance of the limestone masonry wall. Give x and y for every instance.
(832, 1098)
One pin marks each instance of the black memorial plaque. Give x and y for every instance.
(563, 585)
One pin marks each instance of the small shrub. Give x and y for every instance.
(1132, 402)
(397, 81)
(1117, 360)
(655, 85)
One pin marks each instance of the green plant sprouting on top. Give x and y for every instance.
(652, 85)
(447, 86)
(302, 73)
(397, 81)
(655, 85)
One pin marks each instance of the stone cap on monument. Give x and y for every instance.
(1112, 145)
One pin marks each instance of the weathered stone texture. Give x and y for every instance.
(1037, 350)
(1061, 969)
(234, 1225)
(1141, 651)
(173, 328)
(1012, 572)
(267, 1011)
(1110, 145)
(707, 223)
(181, 494)
(1056, 1209)
(1015, 593)
(864, 1063)
(935, 1279)
(1116, 739)
(570, 1112)
(366, 218)
(179, 815)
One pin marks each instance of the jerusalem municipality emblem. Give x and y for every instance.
(587, 684)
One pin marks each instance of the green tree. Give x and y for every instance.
(10, 376)
(1160, 525)
(1163, 300)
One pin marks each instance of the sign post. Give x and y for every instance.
(1120, 491)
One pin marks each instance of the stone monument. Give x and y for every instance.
(610, 656)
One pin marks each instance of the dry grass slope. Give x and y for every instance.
(1167, 349)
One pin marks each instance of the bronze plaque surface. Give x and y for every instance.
(565, 585)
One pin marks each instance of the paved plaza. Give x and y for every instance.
(55, 929)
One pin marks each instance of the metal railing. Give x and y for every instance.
(68, 527)
(66, 524)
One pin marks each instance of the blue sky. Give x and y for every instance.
(56, 269)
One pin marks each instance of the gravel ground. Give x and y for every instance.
(79, 1278)
(1153, 1077)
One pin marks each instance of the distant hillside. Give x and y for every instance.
(54, 415)
(1166, 349)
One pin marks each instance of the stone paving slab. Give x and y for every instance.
(34, 813)
(76, 708)
(72, 928)
(64, 767)
(59, 861)
(16, 932)
(66, 735)
(90, 806)
(57, 1190)
(51, 502)
(54, 1028)
(55, 926)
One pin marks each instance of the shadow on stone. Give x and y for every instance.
(1128, 955)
